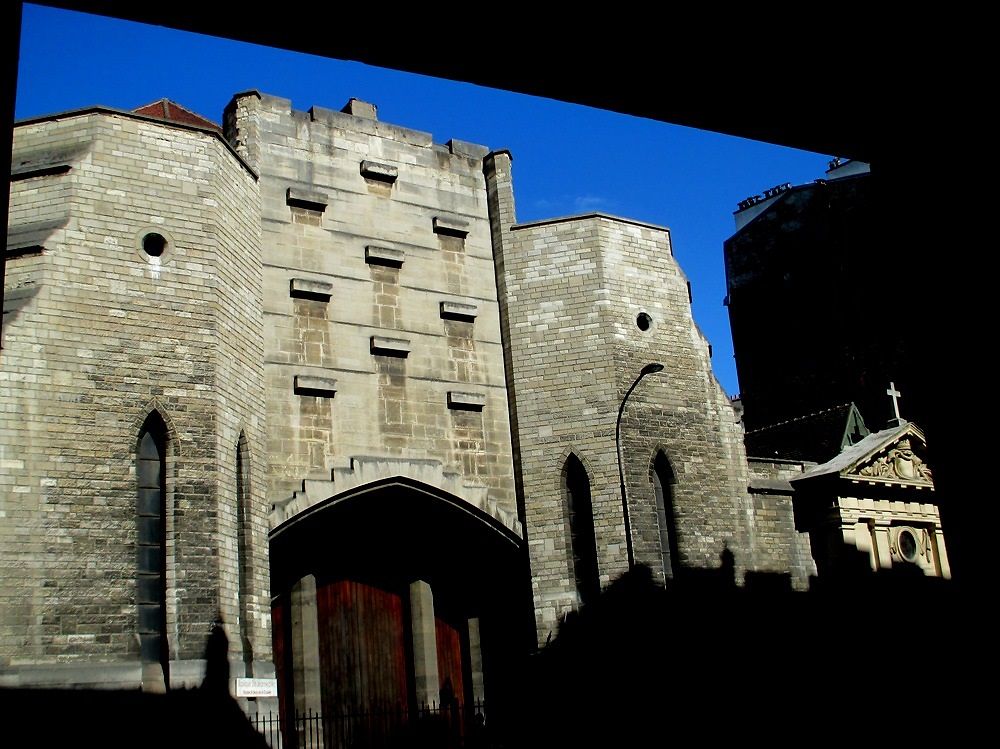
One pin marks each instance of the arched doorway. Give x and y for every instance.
(391, 599)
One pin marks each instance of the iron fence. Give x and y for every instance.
(448, 726)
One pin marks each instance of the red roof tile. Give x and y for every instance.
(171, 111)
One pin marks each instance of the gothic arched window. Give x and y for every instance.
(581, 530)
(663, 490)
(151, 547)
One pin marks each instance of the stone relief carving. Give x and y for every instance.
(899, 462)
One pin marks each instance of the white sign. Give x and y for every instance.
(256, 687)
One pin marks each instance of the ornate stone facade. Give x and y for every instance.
(875, 497)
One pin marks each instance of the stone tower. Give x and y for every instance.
(394, 516)
(588, 302)
(382, 330)
(133, 434)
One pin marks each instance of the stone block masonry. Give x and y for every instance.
(316, 352)
(779, 548)
(588, 301)
(148, 288)
(398, 230)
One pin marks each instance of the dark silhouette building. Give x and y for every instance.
(818, 303)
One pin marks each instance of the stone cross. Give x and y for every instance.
(894, 394)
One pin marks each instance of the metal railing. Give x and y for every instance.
(448, 726)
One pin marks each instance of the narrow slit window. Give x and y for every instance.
(663, 486)
(243, 561)
(151, 556)
(583, 542)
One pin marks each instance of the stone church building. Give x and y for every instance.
(305, 374)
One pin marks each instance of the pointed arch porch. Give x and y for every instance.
(390, 593)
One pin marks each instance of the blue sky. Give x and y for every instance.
(567, 158)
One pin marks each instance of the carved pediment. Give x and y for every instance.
(899, 461)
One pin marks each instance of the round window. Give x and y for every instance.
(907, 545)
(643, 321)
(154, 244)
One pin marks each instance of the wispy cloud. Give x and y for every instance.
(585, 203)
(564, 205)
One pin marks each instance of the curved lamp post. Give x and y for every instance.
(648, 369)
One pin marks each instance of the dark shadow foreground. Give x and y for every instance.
(698, 663)
(113, 719)
(704, 661)
(125, 720)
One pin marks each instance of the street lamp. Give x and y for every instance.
(648, 369)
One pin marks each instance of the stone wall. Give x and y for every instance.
(572, 292)
(779, 549)
(111, 334)
(380, 304)
(366, 308)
